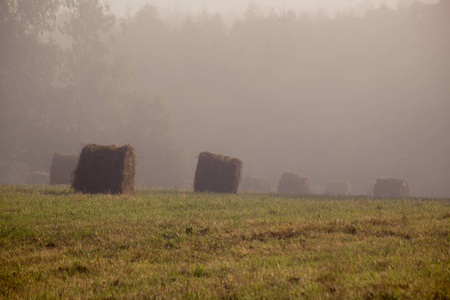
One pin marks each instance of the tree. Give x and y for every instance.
(105, 111)
(161, 160)
(55, 97)
(91, 76)
(28, 63)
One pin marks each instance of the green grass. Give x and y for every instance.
(178, 244)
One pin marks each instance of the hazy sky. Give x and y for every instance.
(228, 7)
(347, 98)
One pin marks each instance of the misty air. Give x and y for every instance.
(350, 94)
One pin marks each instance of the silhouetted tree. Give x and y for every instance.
(55, 97)
(28, 63)
(91, 75)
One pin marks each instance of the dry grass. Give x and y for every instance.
(180, 244)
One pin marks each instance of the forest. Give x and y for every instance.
(351, 96)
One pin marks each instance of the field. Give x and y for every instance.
(166, 244)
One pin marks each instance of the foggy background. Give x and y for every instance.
(234, 8)
(350, 94)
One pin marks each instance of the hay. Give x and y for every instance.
(255, 184)
(37, 178)
(105, 169)
(63, 165)
(317, 189)
(391, 188)
(338, 187)
(292, 183)
(217, 173)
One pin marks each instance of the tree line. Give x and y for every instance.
(63, 85)
(351, 96)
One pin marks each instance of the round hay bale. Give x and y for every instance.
(292, 183)
(105, 169)
(37, 178)
(255, 184)
(339, 187)
(217, 173)
(391, 188)
(63, 166)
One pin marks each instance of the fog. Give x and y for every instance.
(233, 8)
(353, 95)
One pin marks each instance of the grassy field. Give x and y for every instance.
(179, 244)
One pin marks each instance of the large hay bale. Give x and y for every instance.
(255, 184)
(105, 169)
(217, 173)
(391, 188)
(339, 187)
(292, 183)
(37, 178)
(63, 165)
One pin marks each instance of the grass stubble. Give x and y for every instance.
(163, 244)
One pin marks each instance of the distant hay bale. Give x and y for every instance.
(339, 187)
(292, 183)
(217, 173)
(37, 178)
(317, 189)
(255, 184)
(391, 188)
(63, 165)
(105, 169)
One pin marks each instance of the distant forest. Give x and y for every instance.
(353, 96)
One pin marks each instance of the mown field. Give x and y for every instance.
(163, 244)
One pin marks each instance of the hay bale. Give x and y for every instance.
(217, 173)
(37, 178)
(391, 188)
(105, 169)
(63, 165)
(255, 184)
(292, 183)
(317, 189)
(339, 187)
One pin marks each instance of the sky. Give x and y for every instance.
(233, 7)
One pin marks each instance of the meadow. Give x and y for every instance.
(172, 244)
